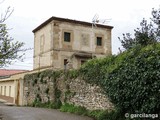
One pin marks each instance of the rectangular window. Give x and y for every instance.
(65, 63)
(67, 36)
(99, 41)
(5, 90)
(10, 91)
(42, 43)
(1, 90)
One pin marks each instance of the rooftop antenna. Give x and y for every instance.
(96, 20)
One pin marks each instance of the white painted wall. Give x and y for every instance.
(7, 88)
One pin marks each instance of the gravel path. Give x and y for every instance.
(29, 113)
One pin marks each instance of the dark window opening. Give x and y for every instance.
(67, 36)
(83, 61)
(99, 41)
(65, 63)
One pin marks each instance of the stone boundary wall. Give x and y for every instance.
(75, 91)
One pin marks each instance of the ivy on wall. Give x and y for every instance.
(131, 79)
(40, 84)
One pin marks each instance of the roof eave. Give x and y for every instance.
(70, 21)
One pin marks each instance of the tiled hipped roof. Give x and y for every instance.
(5, 72)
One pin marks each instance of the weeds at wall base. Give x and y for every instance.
(79, 110)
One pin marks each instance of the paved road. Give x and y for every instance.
(28, 113)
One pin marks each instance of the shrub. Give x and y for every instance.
(131, 79)
(107, 115)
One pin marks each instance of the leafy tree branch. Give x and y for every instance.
(9, 49)
(149, 33)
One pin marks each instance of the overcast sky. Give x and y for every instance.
(125, 16)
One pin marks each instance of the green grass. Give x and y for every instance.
(73, 109)
(96, 114)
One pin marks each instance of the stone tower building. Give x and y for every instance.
(61, 43)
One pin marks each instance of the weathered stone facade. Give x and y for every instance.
(83, 42)
(74, 91)
(84, 94)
